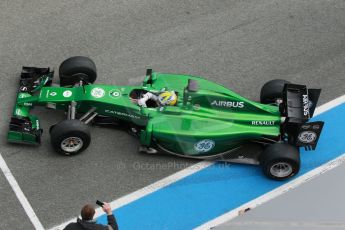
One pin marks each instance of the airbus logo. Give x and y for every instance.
(228, 104)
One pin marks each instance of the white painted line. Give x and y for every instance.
(20, 195)
(286, 187)
(273, 194)
(329, 105)
(186, 172)
(146, 190)
(289, 224)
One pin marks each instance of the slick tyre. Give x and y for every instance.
(76, 69)
(272, 90)
(280, 161)
(70, 137)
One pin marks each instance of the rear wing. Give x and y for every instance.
(298, 107)
(24, 127)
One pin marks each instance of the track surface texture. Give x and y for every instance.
(240, 44)
(315, 205)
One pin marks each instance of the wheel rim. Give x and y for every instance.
(71, 144)
(281, 169)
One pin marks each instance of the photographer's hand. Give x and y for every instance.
(107, 209)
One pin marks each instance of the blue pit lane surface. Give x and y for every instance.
(222, 187)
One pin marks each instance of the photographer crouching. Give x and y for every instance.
(87, 223)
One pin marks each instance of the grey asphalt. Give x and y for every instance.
(11, 210)
(241, 44)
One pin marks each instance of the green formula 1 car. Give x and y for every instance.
(208, 120)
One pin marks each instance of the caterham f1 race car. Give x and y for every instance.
(208, 121)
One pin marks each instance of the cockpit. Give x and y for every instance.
(136, 94)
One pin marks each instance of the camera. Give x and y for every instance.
(100, 203)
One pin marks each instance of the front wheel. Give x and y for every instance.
(280, 161)
(76, 69)
(70, 137)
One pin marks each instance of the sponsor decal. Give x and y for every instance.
(23, 88)
(115, 93)
(196, 106)
(97, 92)
(305, 105)
(18, 112)
(53, 94)
(204, 146)
(23, 95)
(307, 137)
(316, 126)
(305, 126)
(67, 93)
(228, 104)
(121, 114)
(265, 123)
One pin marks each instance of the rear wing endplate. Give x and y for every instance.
(298, 107)
(299, 103)
(309, 134)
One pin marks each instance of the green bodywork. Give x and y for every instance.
(208, 121)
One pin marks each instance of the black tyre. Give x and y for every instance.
(272, 90)
(70, 137)
(280, 161)
(75, 69)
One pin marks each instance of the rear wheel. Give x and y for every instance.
(76, 69)
(70, 137)
(272, 90)
(280, 161)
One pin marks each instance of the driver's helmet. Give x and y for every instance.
(167, 98)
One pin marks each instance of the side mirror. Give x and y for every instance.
(192, 86)
(149, 76)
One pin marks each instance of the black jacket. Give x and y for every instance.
(91, 225)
